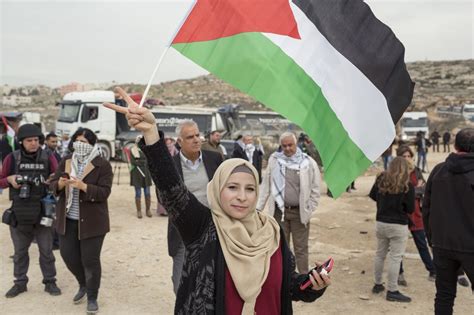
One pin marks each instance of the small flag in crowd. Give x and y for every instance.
(10, 133)
(329, 66)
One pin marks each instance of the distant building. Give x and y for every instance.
(71, 87)
(6, 89)
(15, 100)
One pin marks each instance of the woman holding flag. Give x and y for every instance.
(237, 259)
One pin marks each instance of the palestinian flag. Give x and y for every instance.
(329, 66)
(10, 133)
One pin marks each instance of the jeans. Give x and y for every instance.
(421, 160)
(391, 240)
(447, 264)
(419, 238)
(22, 236)
(138, 192)
(82, 258)
(386, 161)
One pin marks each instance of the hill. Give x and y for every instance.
(437, 83)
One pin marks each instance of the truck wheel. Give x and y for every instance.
(104, 147)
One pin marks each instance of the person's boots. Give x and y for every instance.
(148, 206)
(138, 203)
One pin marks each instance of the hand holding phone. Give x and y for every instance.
(324, 269)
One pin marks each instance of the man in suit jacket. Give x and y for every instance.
(245, 149)
(196, 167)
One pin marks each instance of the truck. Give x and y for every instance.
(468, 112)
(411, 123)
(83, 109)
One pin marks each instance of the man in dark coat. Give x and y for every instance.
(446, 139)
(435, 140)
(245, 149)
(196, 167)
(448, 217)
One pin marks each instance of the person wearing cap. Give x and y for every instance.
(29, 161)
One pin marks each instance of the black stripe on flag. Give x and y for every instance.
(354, 31)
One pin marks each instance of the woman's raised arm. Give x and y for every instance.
(139, 118)
(186, 212)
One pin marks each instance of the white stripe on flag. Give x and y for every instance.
(358, 104)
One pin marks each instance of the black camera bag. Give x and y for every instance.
(8, 217)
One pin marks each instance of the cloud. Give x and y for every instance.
(101, 41)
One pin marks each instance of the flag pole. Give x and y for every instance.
(167, 47)
(153, 76)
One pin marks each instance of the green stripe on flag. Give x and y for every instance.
(255, 65)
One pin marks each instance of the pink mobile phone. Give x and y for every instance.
(326, 267)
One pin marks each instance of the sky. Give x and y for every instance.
(93, 41)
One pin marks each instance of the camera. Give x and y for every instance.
(26, 181)
(48, 207)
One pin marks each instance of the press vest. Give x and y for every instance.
(27, 211)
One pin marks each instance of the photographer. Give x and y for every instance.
(25, 171)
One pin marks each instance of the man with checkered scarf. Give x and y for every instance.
(291, 186)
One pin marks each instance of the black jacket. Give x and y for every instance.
(393, 208)
(448, 207)
(202, 287)
(256, 159)
(211, 161)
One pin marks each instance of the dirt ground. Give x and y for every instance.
(136, 268)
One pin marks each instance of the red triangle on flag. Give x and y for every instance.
(213, 19)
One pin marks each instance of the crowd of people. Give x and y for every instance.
(438, 213)
(229, 255)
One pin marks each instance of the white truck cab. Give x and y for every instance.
(468, 111)
(413, 122)
(84, 109)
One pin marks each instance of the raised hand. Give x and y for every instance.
(139, 118)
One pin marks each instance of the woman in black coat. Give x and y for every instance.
(237, 259)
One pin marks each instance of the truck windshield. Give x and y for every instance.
(410, 122)
(69, 112)
(469, 109)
